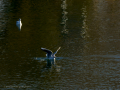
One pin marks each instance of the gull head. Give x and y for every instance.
(19, 19)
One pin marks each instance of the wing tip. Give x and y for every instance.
(42, 48)
(59, 48)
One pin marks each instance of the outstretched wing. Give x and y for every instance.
(56, 51)
(49, 52)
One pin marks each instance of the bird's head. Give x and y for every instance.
(19, 19)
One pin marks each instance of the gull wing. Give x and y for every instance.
(49, 52)
(56, 51)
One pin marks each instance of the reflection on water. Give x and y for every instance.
(49, 63)
(84, 27)
(3, 19)
(64, 17)
(89, 57)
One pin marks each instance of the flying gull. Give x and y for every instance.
(50, 54)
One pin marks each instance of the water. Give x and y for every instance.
(87, 32)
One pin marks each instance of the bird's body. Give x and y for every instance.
(19, 24)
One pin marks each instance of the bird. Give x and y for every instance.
(50, 56)
(19, 24)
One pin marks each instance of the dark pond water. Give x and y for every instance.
(88, 32)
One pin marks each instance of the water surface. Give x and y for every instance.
(87, 32)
